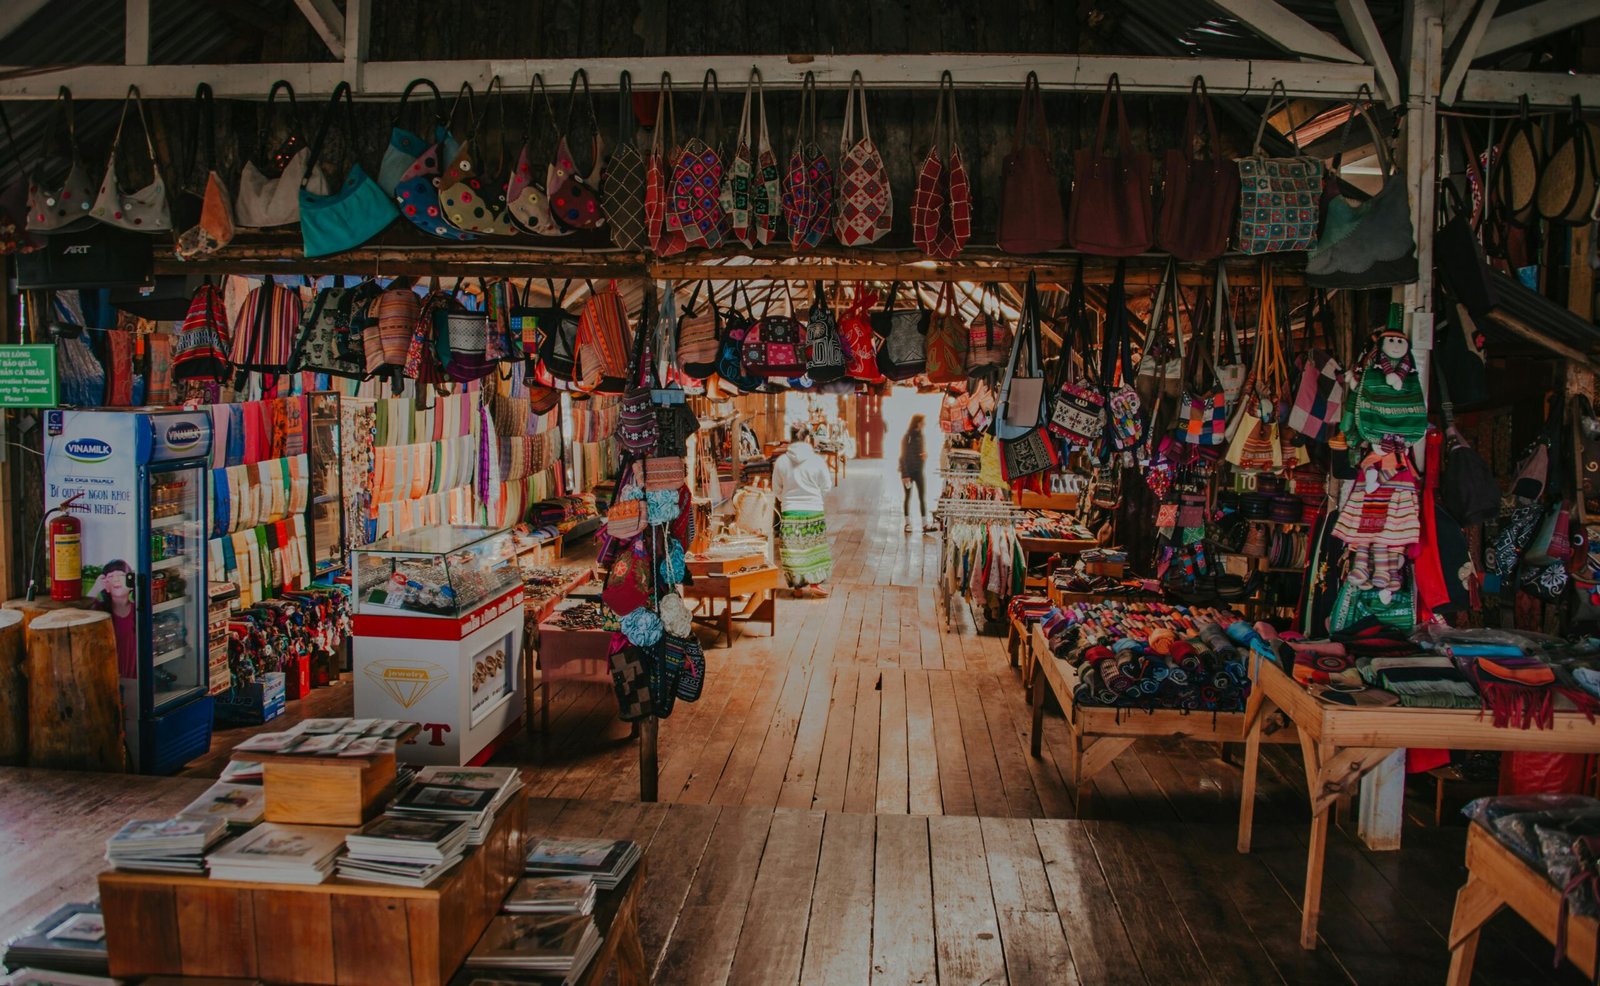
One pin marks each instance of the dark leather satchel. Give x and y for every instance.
(1031, 217)
(1111, 213)
(1202, 191)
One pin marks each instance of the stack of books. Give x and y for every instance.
(603, 861)
(551, 945)
(173, 845)
(464, 794)
(72, 938)
(551, 895)
(402, 852)
(274, 853)
(330, 737)
(238, 805)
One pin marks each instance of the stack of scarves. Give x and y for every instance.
(1420, 681)
(1028, 609)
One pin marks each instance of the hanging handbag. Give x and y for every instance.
(62, 208)
(775, 346)
(144, 210)
(1202, 415)
(201, 353)
(947, 340)
(1160, 369)
(989, 336)
(825, 358)
(622, 180)
(1110, 214)
(354, 214)
(1023, 405)
(1077, 413)
(528, 191)
(574, 204)
(941, 207)
(325, 344)
(1125, 413)
(750, 196)
(904, 331)
(636, 414)
(558, 339)
(1516, 169)
(269, 193)
(1231, 369)
(416, 187)
(1319, 397)
(405, 146)
(268, 325)
(1278, 197)
(1371, 244)
(866, 203)
(859, 341)
(665, 239)
(1568, 186)
(694, 205)
(664, 473)
(808, 185)
(472, 190)
(1201, 192)
(603, 342)
(736, 329)
(1031, 217)
(698, 341)
(630, 678)
(1255, 439)
(462, 340)
(203, 213)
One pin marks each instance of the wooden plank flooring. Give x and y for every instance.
(853, 801)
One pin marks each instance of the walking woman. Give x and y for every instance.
(914, 472)
(800, 479)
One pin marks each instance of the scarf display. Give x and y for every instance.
(1149, 656)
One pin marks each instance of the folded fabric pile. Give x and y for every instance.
(1149, 655)
(564, 512)
(1517, 678)
(1055, 526)
(1421, 681)
(1029, 609)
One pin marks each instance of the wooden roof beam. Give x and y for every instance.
(136, 33)
(1363, 31)
(15, 13)
(1281, 26)
(327, 21)
(1534, 22)
(1471, 42)
(1552, 90)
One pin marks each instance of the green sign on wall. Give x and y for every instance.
(28, 376)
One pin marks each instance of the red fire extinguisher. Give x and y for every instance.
(66, 553)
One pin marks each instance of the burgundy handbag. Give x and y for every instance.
(1110, 214)
(1202, 192)
(1031, 217)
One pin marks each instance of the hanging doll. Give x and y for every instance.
(1388, 400)
(1380, 519)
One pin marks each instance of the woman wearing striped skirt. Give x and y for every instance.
(800, 479)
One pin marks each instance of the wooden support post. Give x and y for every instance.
(1476, 903)
(13, 691)
(74, 693)
(1377, 829)
(1040, 685)
(648, 775)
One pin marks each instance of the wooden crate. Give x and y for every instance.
(343, 933)
(724, 566)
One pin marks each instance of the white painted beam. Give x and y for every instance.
(1535, 21)
(386, 80)
(1286, 29)
(358, 38)
(1544, 89)
(327, 22)
(136, 33)
(1363, 31)
(1456, 15)
(13, 13)
(1471, 42)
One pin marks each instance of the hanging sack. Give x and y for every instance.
(1202, 414)
(904, 331)
(1201, 193)
(736, 328)
(527, 194)
(574, 203)
(698, 341)
(1125, 413)
(472, 188)
(859, 341)
(665, 239)
(622, 181)
(941, 208)
(664, 473)
(1371, 244)
(416, 187)
(1111, 212)
(825, 358)
(14, 201)
(1077, 414)
(988, 337)
(694, 206)
(62, 208)
(144, 210)
(395, 311)
(750, 197)
(462, 338)
(1160, 370)
(1278, 196)
(1319, 398)
(1023, 405)
(1031, 217)
(775, 346)
(1255, 441)
(947, 339)
(405, 146)
(326, 343)
(636, 414)
(269, 192)
(354, 214)
(1570, 179)
(1516, 169)
(603, 341)
(203, 212)
(201, 353)
(1231, 368)
(808, 186)
(866, 203)
(268, 324)
(675, 422)
(627, 584)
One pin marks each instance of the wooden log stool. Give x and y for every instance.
(74, 692)
(13, 690)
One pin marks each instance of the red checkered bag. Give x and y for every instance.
(663, 239)
(808, 183)
(694, 199)
(866, 204)
(941, 209)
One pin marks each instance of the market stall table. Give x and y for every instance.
(1101, 733)
(758, 587)
(1036, 546)
(616, 916)
(1342, 743)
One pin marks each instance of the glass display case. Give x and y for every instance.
(445, 571)
(325, 510)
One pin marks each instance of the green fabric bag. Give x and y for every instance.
(1353, 605)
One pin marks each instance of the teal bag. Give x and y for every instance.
(1353, 605)
(353, 214)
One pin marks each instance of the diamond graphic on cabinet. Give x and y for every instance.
(407, 681)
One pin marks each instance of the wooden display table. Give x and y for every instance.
(616, 916)
(1342, 743)
(1032, 546)
(1496, 878)
(1099, 733)
(757, 587)
(352, 934)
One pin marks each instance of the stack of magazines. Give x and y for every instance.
(551, 945)
(274, 853)
(551, 895)
(72, 938)
(402, 852)
(603, 861)
(173, 845)
(330, 737)
(465, 794)
(238, 805)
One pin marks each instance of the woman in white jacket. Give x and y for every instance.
(800, 479)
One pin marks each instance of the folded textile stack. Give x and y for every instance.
(1421, 681)
(1054, 526)
(1029, 609)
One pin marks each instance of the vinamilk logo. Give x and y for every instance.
(182, 435)
(88, 450)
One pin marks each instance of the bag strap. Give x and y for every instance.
(805, 131)
(582, 75)
(537, 94)
(638, 361)
(144, 124)
(1019, 339)
(494, 98)
(946, 128)
(709, 92)
(342, 90)
(664, 138)
(743, 139)
(1199, 99)
(666, 341)
(855, 101)
(266, 117)
(438, 109)
(1124, 141)
(204, 132)
(627, 123)
(1261, 130)
(1118, 351)
(1030, 117)
(1078, 330)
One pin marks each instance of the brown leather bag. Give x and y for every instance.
(1031, 217)
(1202, 192)
(1111, 213)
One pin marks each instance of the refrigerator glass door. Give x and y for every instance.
(176, 593)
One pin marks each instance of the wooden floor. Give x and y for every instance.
(853, 801)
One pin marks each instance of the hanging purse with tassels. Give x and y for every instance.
(694, 206)
(989, 336)
(622, 180)
(941, 208)
(808, 186)
(866, 204)
(750, 194)
(1078, 413)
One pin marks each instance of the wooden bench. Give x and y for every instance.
(1496, 878)
(757, 587)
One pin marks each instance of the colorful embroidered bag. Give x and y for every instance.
(1078, 412)
(866, 203)
(201, 353)
(825, 359)
(472, 191)
(775, 346)
(808, 186)
(694, 205)
(603, 341)
(622, 180)
(637, 429)
(750, 195)
(904, 331)
(1024, 404)
(1319, 398)
(1125, 413)
(698, 341)
(941, 208)
(1278, 197)
(527, 193)
(858, 339)
(947, 340)
(416, 187)
(203, 219)
(736, 328)
(1202, 417)
(989, 336)
(574, 204)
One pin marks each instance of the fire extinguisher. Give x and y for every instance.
(65, 554)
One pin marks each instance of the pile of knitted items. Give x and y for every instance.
(1028, 609)
(1149, 655)
(1421, 681)
(1516, 682)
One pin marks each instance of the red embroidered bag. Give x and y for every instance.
(941, 209)
(855, 333)
(664, 238)
(808, 183)
(866, 203)
(947, 340)
(694, 206)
